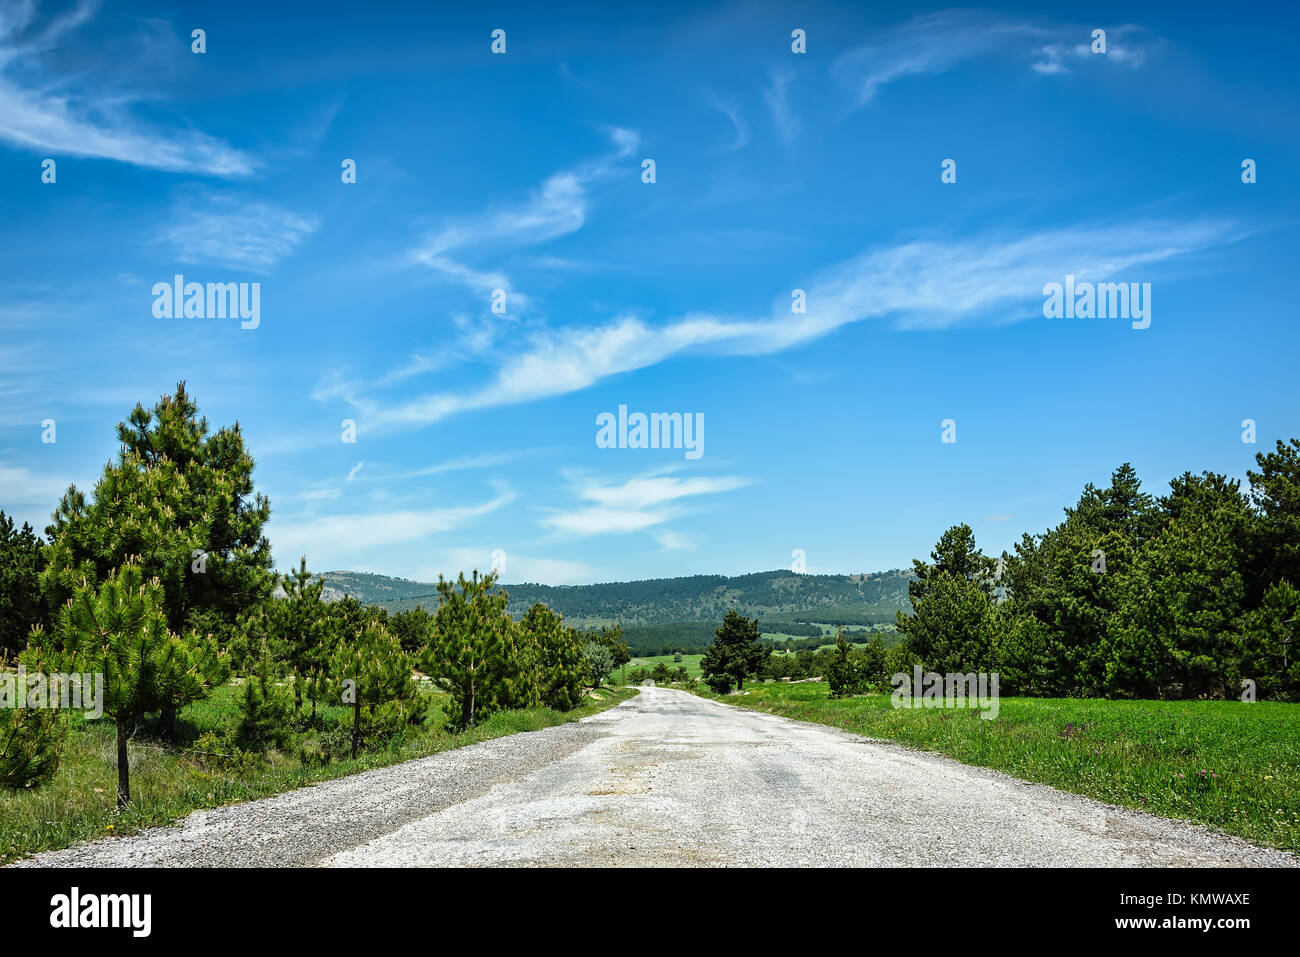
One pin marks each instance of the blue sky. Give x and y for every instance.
(775, 171)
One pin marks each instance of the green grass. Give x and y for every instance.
(79, 803)
(1146, 755)
(690, 662)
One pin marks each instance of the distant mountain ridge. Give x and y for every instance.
(774, 597)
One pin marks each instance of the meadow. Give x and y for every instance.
(690, 662)
(79, 802)
(1226, 764)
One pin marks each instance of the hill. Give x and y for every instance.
(780, 599)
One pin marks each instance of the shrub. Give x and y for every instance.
(30, 739)
(600, 663)
(265, 711)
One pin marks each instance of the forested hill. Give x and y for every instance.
(775, 597)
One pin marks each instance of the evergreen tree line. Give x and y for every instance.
(1187, 595)
(161, 580)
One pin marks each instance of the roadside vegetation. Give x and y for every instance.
(157, 590)
(171, 780)
(1227, 764)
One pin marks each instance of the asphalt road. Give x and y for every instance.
(670, 779)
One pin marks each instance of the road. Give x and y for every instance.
(670, 779)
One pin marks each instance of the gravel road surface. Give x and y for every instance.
(671, 779)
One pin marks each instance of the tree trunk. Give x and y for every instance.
(123, 767)
(356, 725)
(167, 722)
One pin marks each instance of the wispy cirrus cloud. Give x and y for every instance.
(76, 115)
(19, 485)
(635, 505)
(740, 129)
(558, 207)
(317, 535)
(205, 227)
(777, 98)
(923, 283)
(938, 42)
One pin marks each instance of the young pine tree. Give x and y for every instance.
(30, 738)
(562, 666)
(298, 630)
(371, 670)
(265, 709)
(468, 646)
(120, 630)
(845, 672)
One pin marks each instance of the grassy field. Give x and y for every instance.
(690, 662)
(80, 802)
(1233, 766)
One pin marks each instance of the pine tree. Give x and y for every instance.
(120, 630)
(467, 650)
(179, 502)
(264, 710)
(21, 605)
(369, 670)
(1179, 622)
(178, 499)
(30, 738)
(951, 627)
(735, 654)
(956, 555)
(1269, 653)
(1275, 489)
(562, 667)
(299, 630)
(845, 673)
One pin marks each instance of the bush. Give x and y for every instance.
(223, 750)
(599, 662)
(265, 711)
(30, 739)
(847, 672)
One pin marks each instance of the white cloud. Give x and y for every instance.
(35, 114)
(470, 462)
(777, 99)
(353, 532)
(938, 42)
(931, 283)
(732, 112)
(635, 505)
(558, 207)
(671, 541)
(210, 228)
(21, 486)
